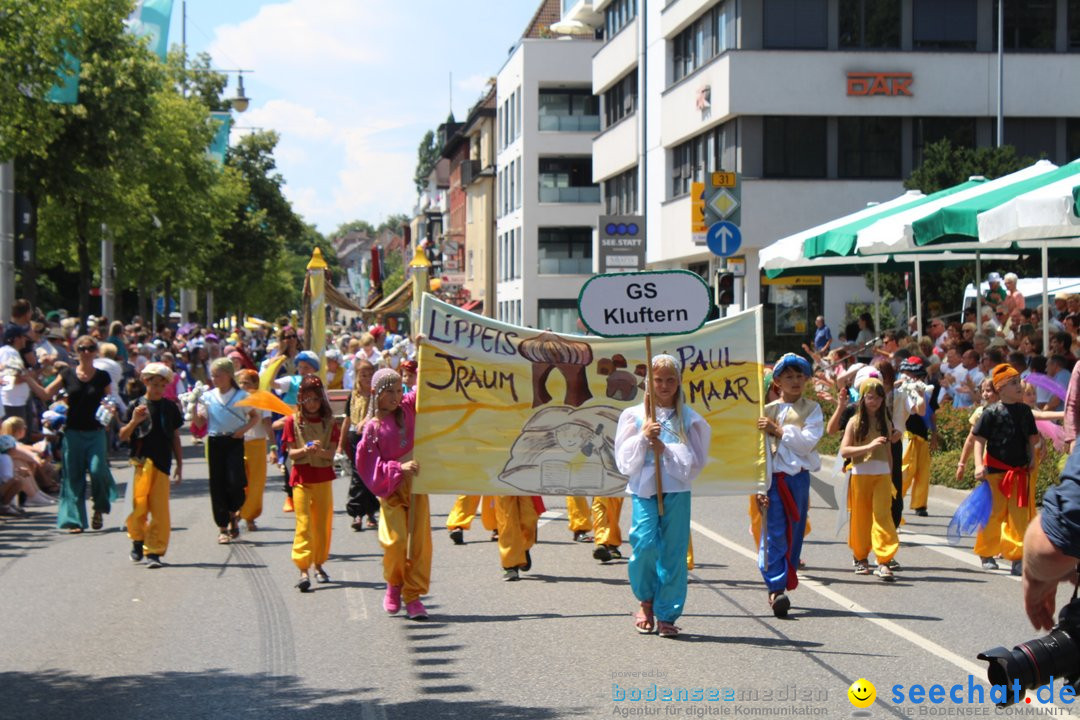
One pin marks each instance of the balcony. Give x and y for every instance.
(470, 170)
(585, 194)
(569, 123)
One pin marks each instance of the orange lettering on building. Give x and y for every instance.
(887, 83)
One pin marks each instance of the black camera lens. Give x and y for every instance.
(1034, 662)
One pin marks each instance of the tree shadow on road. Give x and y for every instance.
(60, 695)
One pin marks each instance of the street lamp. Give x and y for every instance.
(241, 101)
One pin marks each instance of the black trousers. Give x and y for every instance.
(897, 481)
(361, 500)
(228, 480)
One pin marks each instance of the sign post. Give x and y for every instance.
(664, 302)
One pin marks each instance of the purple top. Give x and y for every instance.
(382, 445)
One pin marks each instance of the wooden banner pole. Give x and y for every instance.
(652, 416)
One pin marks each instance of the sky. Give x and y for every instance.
(351, 86)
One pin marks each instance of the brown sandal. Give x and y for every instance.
(644, 620)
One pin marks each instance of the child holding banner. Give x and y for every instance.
(384, 461)
(793, 425)
(679, 437)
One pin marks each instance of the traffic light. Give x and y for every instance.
(725, 281)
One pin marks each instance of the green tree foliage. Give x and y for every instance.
(427, 155)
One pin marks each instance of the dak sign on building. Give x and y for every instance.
(665, 302)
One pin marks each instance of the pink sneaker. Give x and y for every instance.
(416, 610)
(392, 600)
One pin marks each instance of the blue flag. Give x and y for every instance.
(220, 143)
(66, 90)
(151, 19)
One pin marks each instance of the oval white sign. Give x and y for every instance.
(664, 302)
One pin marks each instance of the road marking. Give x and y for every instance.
(855, 608)
(548, 516)
(354, 600)
(372, 711)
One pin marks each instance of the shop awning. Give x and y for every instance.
(473, 306)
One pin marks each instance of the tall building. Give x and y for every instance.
(821, 106)
(547, 202)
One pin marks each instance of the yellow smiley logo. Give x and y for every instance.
(862, 693)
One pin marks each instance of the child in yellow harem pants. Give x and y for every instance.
(153, 430)
(311, 436)
(517, 518)
(462, 513)
(866, 444)
(606, 532)
(384, 462)
(256, 459)
(580, 517)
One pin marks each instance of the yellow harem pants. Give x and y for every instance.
(517, 518)
(916, 469)
(577, 512)
(314, 507)
(872, 526)
(605, 511)
(406, 564)
(255, 467)
(464, 511)
(150, 496)
(1004, 531)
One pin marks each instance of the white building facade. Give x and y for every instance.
(547, 202)
(821, 106)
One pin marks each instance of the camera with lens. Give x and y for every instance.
(1035, 662)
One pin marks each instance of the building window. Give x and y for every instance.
(869, 147)
(1032, 137)
(707, 37)
(565, 251)
(621, 98)
(1072, 137)
(945, 24)
(559, 316)
(929, 130)
(567, 180)
(470, 264)
(868, 24)
(1074, 27)
(618, 15)
(569, 110)
(711, 151)
(796, 24)
(511, 194)
(520, 185)
(1028, 27)
(794, 147)
(620, 193)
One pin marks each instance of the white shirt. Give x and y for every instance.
(681, 462)
(258, 431)
(797, 449)
(12, 394)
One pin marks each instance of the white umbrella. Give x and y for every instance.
(1047, 212)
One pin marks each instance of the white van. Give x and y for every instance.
(1032, 289)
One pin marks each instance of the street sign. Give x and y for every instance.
(724, 238)
(621, 243)
(717, 199)
(664, 302)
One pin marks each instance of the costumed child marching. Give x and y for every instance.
(679, 438)
(793, 426)
(866, 443)
(1005, 443)
(311, 437)
(257, 455)
(153, 429)
(384, 461)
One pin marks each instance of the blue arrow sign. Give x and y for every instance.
(724, 238)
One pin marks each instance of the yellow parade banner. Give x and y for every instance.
(508, 410)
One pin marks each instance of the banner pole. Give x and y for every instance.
(652, 416)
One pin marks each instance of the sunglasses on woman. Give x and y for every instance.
(86, 348)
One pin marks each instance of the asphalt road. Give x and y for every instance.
(220, 632)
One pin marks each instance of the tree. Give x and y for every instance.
(427, 156)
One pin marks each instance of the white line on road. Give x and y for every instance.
(548, 516)
(354, 599)
(855, 608)
(372, 711)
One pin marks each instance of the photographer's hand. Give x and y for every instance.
(1045, 566)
